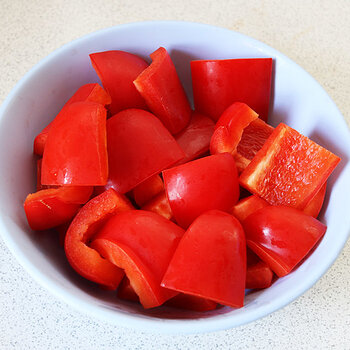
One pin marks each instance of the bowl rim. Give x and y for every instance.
(159, 325)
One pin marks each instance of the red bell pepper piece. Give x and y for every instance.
(210, 260)
(139, 146)
(160, 205)
(46, 212)
(142, 243)
(88, 92)
(195, 138)
(219, 83)
(117, 71)
(282, 236)
(289, 169)
(84, 259)
(251, 204)
(52, 207)
(229, 128)
(253, 138)
(148, 189)
(259, 275)
(201, 185)
(161, 88)
(71, 157)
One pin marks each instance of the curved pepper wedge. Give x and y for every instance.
(70, 156)
(85, 260)
(201, 185)
(139, 146)
(142, 243)
(282, 236)
(229, 128)
(210, 260)
(161, 88)
(117, 71)
(219, 83)
(87, 92)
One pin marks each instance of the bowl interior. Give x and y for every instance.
(297, 99)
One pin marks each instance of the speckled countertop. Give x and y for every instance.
(315, 34)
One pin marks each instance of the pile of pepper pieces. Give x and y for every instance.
(174, 206)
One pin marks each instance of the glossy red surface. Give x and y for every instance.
(87, 92)
(71, 158)
(139, 146)
(282, 236)
(229, 128)
(142, 243)
(85, 260)
(203, 184)
(219, 83)
(210, 261)
(117, 71)
(161, 88)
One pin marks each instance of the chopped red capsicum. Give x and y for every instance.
(161, 88)
(203, 184)
(75, 152)
(282, 236)
(253, 138)
(117, 71)
(219, 83)
(142, 243)
(52, 207)
(229, 128)
(139, 146)
(210, 260)
(289, 169)
(88, 92)
(85, 260)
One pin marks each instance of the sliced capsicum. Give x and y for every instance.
(219, 83)
(161, 88)
(289, 169)
(210, 260)
(88, 92)
(139, 146)
(142, 243)
(117, 71)
(85, 260)
(76, 148)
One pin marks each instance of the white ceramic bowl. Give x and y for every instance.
(297, 100)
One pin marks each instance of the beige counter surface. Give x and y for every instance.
(315, 34)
